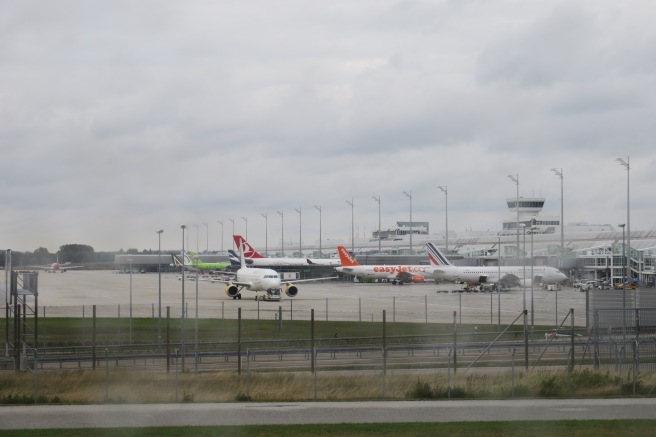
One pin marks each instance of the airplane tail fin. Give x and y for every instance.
(242, 258)
(436, 257)
(346, 258)
(234, 258)
(176, 261)
(248, 250)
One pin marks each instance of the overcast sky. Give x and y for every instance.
(118, 118)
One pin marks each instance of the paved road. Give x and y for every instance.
(107, 416)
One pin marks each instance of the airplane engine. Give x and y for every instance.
(418, 279)
(232, 290)
(291, 290)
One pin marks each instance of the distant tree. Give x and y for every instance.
(42, 256)
(76, 253)
(132, 252)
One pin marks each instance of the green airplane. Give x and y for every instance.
(194, 263)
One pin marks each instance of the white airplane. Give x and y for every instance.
(259, 279)
(443, 269)
(254, 258)
(398, 274)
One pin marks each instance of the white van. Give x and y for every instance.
(588, 285)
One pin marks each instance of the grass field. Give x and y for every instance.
(583, 428)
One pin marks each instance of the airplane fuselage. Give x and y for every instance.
(256, 262)
(491, 274)
(258, 279)
(385, 272)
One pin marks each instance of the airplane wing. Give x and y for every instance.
(55, 267)
(227, 281)
(296, 281)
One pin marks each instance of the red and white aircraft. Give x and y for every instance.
(254, 258)
(397, 274)
(57, 267)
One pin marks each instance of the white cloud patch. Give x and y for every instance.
(121, 117)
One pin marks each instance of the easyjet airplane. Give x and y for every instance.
(254, 258)
(398, 274)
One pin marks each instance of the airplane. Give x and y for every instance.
(397, 274)
(260, 279)
(254, 258)
(443, 269)
(57, 267)
(196, 263)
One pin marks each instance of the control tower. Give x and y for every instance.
(528, 210)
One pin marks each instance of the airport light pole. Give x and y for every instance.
(515, 179)
(524, 301)
(196, 226)
(409, 195)
(352, 226)
(377, 199)
(628, 213)
(130, 259)
(282, 231)
(499, 283)
(221, 223)
(446, 214)
(559, 173)
(266, 233)
(318, 208)
(207, 237)
(182, 315)
(246, 220)
(300, 248)
(524, 271)
(196, 324)
(159, 289)
(532, 229)
(623, 285)
(232, 220)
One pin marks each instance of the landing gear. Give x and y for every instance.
(237, 296)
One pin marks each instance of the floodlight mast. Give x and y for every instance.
(628, 212)
(446, 215)
(515, 179)
(377, 199)
(559, 173)
(409, 196)
(352, 226)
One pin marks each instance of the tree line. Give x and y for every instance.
(73, 253)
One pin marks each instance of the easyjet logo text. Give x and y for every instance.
(400, 269)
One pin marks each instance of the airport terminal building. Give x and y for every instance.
(588, 252)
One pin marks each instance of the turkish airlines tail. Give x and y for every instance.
(248, 251)
(346, 258)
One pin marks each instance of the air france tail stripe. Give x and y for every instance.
(436, 256)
